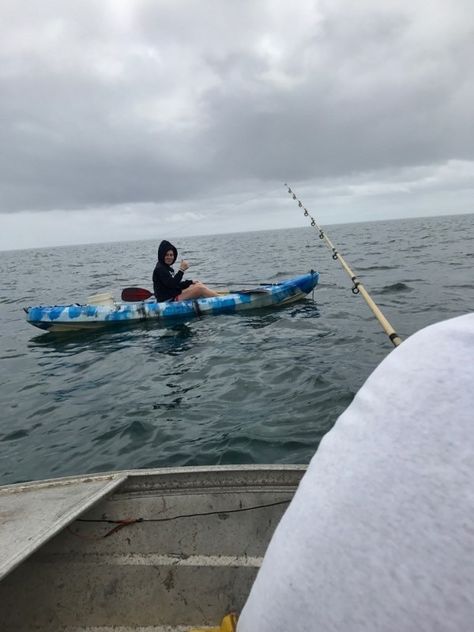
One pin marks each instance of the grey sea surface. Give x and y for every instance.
(256, 387)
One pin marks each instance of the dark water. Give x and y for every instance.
(257, 388)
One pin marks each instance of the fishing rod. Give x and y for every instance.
(357, 287)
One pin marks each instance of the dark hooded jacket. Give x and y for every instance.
(166, 284)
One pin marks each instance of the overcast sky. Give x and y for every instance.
(131, 119)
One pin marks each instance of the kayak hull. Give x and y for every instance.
(75, 317)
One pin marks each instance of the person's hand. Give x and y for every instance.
(184, 265)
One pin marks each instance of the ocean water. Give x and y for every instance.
(262, 387)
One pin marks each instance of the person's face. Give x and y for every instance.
(169, 257)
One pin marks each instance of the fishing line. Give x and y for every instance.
(357, 287)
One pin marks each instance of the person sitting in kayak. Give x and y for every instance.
(169, 286)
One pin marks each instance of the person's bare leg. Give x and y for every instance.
(196, 290)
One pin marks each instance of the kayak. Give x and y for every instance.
(75, 316)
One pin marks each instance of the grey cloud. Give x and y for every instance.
(101, 104)
(366, 102)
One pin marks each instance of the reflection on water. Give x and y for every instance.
(106, 339)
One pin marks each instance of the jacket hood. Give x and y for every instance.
(163, 249)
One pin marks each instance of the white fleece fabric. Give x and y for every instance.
(380, 534)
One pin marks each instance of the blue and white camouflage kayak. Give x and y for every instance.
(74, 317)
